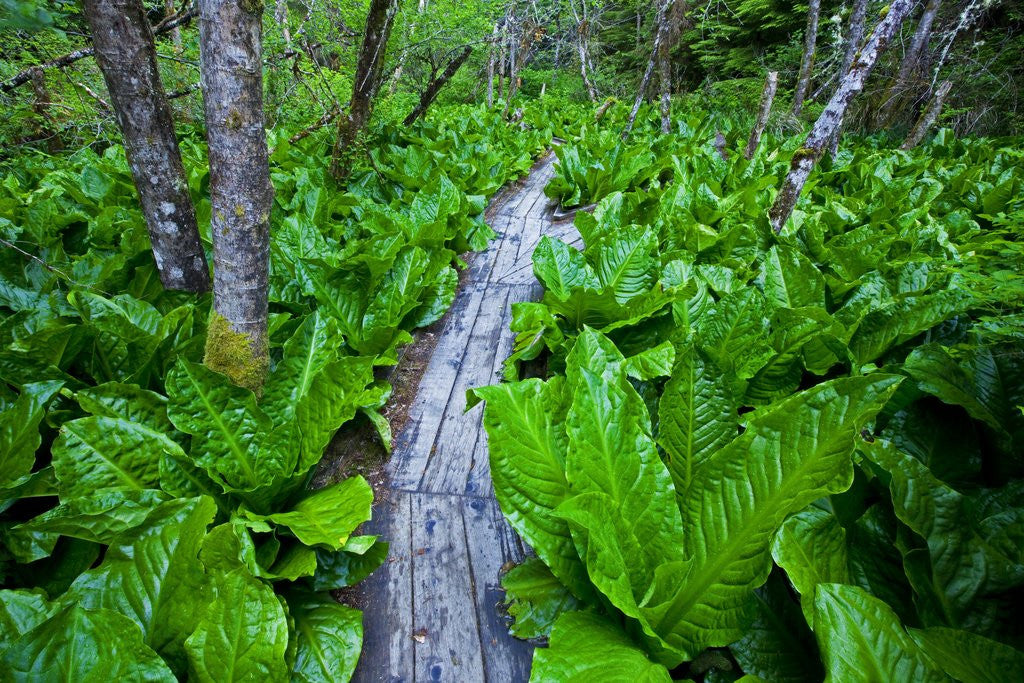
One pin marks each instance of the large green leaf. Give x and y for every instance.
(330, 637)
(862, 639)
(242, 635)
(791, 280)
(328, 516)
(20, 612)
(970, 658)
(586, 647)
(697, 414)
(611, 450)
(19, 431)
(232, 439)
(84, 646)
(901, 321)
(153, 576)
(535, 599)
(100, 517)
(625, 265)
(94, 453)
(525, 423)
(811, 547)
(790, 454)
(562, 269)
(306, 353)
(735, 333)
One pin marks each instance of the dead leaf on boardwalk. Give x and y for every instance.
(420, 635)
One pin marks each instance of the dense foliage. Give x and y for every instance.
(148, 506)
(769, 443)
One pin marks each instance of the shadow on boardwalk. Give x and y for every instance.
(431, 612)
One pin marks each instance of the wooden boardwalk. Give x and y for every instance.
(431, 612)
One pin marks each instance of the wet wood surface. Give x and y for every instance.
(432, 612)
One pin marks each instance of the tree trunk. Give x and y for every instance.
(231, 74)
(803, 82)
(968, 16)
(856, 35)
(435, 85)
(903, 84)
(771, 84)
(527, 32)
(928, 116)
(281, 17)
(123, 44)
(169, 12)
(45, 130)
(490, 69)
(660, 34)
(675, 17)
(853, 42)
(397, 75)
(583, 45)
(369, 66)
(831, 118)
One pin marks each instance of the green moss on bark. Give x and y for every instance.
(243, 359)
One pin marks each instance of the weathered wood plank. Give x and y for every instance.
(478, 481)
(444, 605)
(493, 546)
(387, 642)
(412, 447)
(452, 454)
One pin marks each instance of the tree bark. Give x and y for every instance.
(831, 118)
(803, 82)
(490, 68)
(858, 17)
(126, 56)
(369, 66)
(928, 116)
(70, 58)
(771, 84)
(675, 18)
(435, 85)
(175, 32)
(583, 46)
(911, 63)
(660, 34)
(231, 74)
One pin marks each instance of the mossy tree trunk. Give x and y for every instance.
(803, 82)
(123, 44)
(231, 64)
(928, 116)
(771, 85)
(805, 158)
(369, 70)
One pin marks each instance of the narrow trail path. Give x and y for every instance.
(431, 612)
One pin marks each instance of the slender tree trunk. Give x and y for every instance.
(928, 116)
(831, 118)
(771, 84)
(397, 75)
(519, 57)
(231, 74)
(803, 82)
(281, 16)
(856, 35)
(583, 46)
(675, 18)
(858, 17)
(169, 11)
(435, 85)
(911, 64)
(968, 16)
(41, 108)
(123, 44)
(490, 69)
(660, 34)
(369, 65)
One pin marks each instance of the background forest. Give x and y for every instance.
(766, 423)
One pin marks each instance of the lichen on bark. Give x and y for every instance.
(242, 358)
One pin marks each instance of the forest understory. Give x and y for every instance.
(764, 422)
